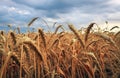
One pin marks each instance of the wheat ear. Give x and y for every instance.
(41, 33)
(77, 35)
(30, 23)
(88, 31)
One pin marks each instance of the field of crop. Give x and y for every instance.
(92, 54)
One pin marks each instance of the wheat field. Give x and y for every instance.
(92, 54)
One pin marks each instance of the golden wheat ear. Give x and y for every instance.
(88, 31)
(77, 35)
(25, 48)
(13, 37)
(41, 34)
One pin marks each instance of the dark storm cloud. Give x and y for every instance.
(21, 11)
(53, 7)
(64, 6)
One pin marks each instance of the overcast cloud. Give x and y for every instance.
(78, 12)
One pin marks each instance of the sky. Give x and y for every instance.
(78, 12)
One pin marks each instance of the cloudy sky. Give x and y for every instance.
(78, 12)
